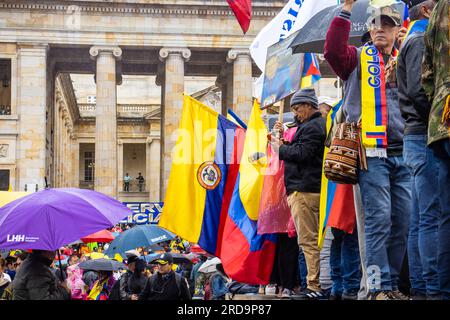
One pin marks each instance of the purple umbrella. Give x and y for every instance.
(52, 218)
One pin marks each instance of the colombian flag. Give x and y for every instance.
(201, 162)
(246, 256)
(337, 205)
(311, 73)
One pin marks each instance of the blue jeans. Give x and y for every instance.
(302, 269)
(386, 200)
(442, 152)
(424, 222)
(344, 263)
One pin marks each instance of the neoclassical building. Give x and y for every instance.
(48, 132)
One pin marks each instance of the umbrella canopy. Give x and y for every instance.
(7, 197)
(101, 265)
(210, 265)
(311, 38)
(138, 236)
(51, 218)
(100, 236)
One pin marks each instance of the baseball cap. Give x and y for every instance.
(326, 100)
(132, 259)
(164, 258)
(388, 12)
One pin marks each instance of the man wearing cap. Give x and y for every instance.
(423, 165)
(371, 98)
(302, 175)
(165, 284)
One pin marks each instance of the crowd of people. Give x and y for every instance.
(38, 275)
(396, 111)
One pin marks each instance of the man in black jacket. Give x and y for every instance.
(36, 281)
(423, 165)
(165, 284)
(302, 176)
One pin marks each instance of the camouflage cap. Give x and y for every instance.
(389, 12)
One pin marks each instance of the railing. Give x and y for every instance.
(134, 186)
(124, 110)
(5, 110)
(87, 184)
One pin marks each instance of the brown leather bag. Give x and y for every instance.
(345, 156)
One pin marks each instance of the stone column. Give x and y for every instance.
(65, 155)
(242, 82)
(75, 161)
(153, 165)
(120, 165)
(106, 119)
(31, 108)
(173, 103)
(56, 146)
(225, 82)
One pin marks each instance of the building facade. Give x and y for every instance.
(48, 133)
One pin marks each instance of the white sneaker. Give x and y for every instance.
(271, 289)
(286, 294)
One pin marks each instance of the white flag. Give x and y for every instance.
(294, 15)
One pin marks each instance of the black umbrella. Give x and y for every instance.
(311, 38)
(101, 265)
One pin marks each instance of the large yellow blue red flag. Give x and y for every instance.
(337, 205)
(200, 162)
(246, 256)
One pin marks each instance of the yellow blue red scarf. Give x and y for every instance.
(374, 119)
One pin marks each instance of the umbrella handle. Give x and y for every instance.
(60, 267)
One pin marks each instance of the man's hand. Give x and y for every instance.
(275, 144)
(348, 5)
(278, 127)
(134, 297)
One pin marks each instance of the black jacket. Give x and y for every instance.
(36, 281)
(130, 285)
(303, 156)
(166, 288)
(414, 104)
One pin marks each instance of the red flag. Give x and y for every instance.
(243, 11)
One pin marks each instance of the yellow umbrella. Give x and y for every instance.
(7, 197)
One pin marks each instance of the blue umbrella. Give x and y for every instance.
(138, 236)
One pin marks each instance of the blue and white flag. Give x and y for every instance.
(294, 15)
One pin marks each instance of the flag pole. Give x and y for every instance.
(280, 116)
